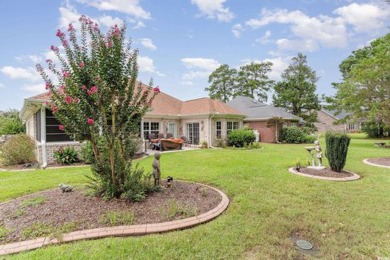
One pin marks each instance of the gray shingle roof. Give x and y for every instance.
(257, 110)
(333, 113)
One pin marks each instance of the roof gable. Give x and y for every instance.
(257, 110)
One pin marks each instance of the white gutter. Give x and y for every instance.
(43, 136)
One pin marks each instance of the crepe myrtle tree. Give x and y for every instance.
(98, 99)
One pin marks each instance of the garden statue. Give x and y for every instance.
(319, 153)
(65, 187)
(156, 169)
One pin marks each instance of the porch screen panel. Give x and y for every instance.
(53, 133)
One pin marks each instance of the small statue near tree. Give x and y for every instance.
(156, 169)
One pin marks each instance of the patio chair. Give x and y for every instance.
(169, 135)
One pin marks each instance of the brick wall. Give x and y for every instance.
(267, 133)
(51, 147)
(325, 123)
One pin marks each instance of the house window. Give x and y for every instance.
(218, 129)
(294, 124)
(193, 133)
(53, 133)
(231, 126)
(351, 126)
(152, 129)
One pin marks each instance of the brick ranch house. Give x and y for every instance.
(199, 120)
(328, 121)
(259, 116)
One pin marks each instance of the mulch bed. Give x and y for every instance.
(385, 161)
(181, 200)
(327, 172)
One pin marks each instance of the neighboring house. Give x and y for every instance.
(261, 117)
(328, 121)
(199, 120)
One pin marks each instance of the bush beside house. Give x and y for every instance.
(296, 135)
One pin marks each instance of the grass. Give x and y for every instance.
(3, 232)
(268, 204)
(175, 209)
(113, 218)
(33, 202)
(40, 229)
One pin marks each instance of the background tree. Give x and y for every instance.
(296, 91)
(365, 87)
(98, 99)
(10, 123)
(253, 80)
(222, 83)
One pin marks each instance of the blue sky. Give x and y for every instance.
(182, 41)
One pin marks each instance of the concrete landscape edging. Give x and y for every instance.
(350, 178)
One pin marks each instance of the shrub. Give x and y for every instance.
(240, 137)
(336, 150)
(86, 152)
(376, 130)
(66, 155)
(296, 135)
(18, 149)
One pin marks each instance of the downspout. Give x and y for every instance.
(210, 118)
(43, 136)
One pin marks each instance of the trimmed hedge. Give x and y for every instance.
(296, 135)
(336, 150)
(240, 137)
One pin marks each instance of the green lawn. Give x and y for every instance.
(268, 204)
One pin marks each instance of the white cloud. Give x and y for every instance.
(68, 15)
(147, 43)
(199, 68)
(237, 29)
(146, 64)
(2, 85)
(312, 32)
(109, 21)
(34, 89)
(201, 63)
(29, 58)
(214, 9)
(297, 45)
(20, 73)
(265, 38)
(364, 17)
(131, 7)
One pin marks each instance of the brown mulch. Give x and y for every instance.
(385, 161)
(181, 200)
(327, 172)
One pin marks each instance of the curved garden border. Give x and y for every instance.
(375, 164)
(351, 178)
(133, 230)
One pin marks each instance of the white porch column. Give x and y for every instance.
(43, 136)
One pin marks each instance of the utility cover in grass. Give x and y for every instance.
(303, 244)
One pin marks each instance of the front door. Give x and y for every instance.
(172, 129)
(193, 133)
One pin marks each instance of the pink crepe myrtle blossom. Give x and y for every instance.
(54, 48)
(49, 61)
(59, 33)
(54, 109)
(64, 43)
(94, 89)
(83, 87)
(76, 100)
(65, 73)
(81, 65)
(109, 44)
(89, 92)
(157, 89)
(90, 121)
(61, 127)
(70, 27)
(68, 100)
(47, 85)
